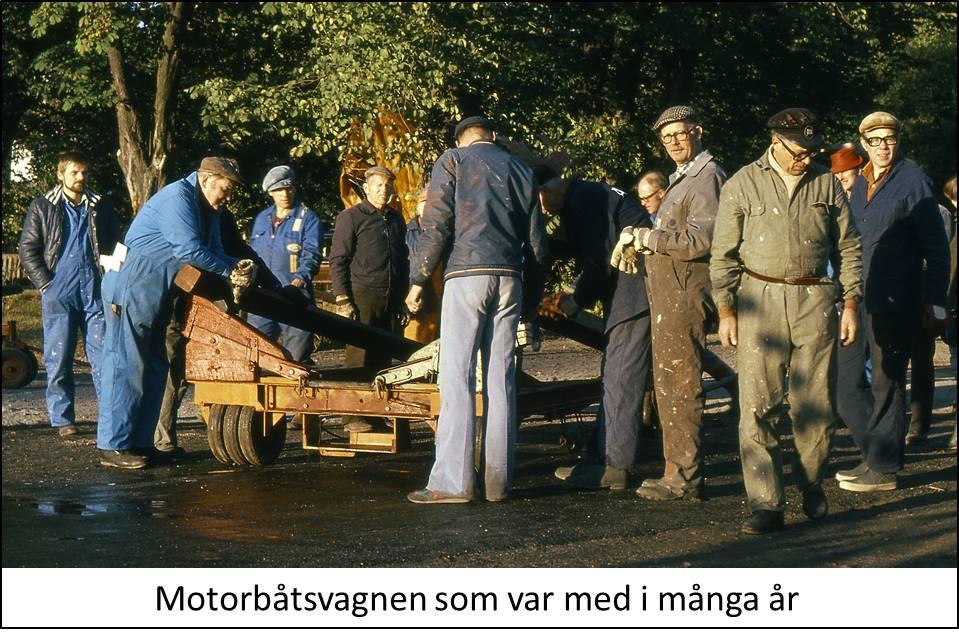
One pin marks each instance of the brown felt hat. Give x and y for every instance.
(222, 166)
(845, 158)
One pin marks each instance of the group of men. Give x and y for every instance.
(792, 272)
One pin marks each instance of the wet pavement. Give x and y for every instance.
(60, 509)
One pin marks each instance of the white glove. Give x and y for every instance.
(242, 277)
(346, 308)
(624, 257)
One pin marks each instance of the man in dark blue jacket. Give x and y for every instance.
(485, 201)
(64, 234)
(895, 209)
(592, 216)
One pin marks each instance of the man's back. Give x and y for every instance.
(493, 198)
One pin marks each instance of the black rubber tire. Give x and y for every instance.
(19, 368)
(214, 434)
(257, 448)
(230, 440)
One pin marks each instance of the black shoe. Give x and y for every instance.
(871, 482)
(167, 455)
(763, 521)
(815, 504)
(854, 473)
(123, 459)
(68, 430)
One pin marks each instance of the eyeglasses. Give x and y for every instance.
(876, 141)
(679, 136)
(644, 198)
(798, 157)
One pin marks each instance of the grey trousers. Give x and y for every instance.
(479, 317)
(164, 436)
(786, 333)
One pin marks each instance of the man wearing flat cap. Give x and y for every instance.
(906, 270)
(483, 207)
(781, 220)
(369, 267)
(288, 237)
(179, 225)
(677, 266)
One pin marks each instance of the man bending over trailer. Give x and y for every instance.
(485, 200)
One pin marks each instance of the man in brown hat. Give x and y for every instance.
(780, 220)
(179, 225)
(369, 267)
(677, 267)
(845, 163)
(906, 270)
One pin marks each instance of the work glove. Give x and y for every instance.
(403, 317)
(625, 257)
(242, 277)
(558, 306)
(641, 240)
(346, 308)
(529, 335)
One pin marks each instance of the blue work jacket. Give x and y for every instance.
(294, 248)
(900, 228)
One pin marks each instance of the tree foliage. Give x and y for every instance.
(285, 82)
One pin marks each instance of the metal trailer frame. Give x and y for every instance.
(246, 385)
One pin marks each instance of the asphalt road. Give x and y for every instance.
(60, 509)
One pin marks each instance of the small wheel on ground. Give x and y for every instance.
(214, 434)
(230, 440)
(257, 448)
(19, 368)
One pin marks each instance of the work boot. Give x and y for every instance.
(814, 504)
(659, 490)
(427, 495)
(563, 473)
(68, 430)
(871, 482)
(597, 477)
(854, 473)
(123, 459)
(763, 522)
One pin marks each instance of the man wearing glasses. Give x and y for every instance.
(650, 190)
(781, 219)
(894, 207)
(677, 267)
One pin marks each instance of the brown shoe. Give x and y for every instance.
(68, 430)
(429, 496)
(658, 490)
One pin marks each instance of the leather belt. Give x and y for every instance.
(792, 281)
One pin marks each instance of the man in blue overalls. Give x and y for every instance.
(179, 225)
(64, 233)
(287, 236)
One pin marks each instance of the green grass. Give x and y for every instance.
(24, 309)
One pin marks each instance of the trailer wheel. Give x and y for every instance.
(19, 368)
(230, 440)
(214, 434)
(257, 448)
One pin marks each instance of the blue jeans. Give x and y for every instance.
(480, 315)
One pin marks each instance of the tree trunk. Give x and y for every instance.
(143, 162)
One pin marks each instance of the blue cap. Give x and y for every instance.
(282, 176)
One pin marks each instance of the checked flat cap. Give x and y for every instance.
(675, 113)
(282, 176)
(222, 166)
(797, 124)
